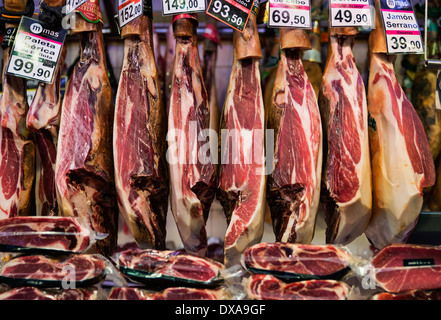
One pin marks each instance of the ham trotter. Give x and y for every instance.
(346, 179)
(17, 157)
(84, 165)
(242, 179)
(293, 188)
(139, 130)
(192, 171)
(402, 164)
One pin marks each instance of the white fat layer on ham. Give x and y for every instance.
(398, 199)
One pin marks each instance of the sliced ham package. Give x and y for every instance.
(169, 268)
(46, 234)
(61, 271)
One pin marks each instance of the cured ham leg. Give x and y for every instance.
(402, 164)
(242, 179)
(346, 190)
(192, 170)
(17, 157)
(139, 132)
(44, 119)
(293, 189)
(84, 165)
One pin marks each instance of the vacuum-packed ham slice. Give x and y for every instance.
(84, 174)
(45, 233)
(242, 180)
(267, 287)
(173, 293)
(405, 267)
(138, 140)
(192, 170)
(293, 189)
(346, 190)
(402, 164)
(297, 261)
(17, 147)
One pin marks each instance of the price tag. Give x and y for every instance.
(289, 13)
(129, 10)
(182, 6)
(350, 13)
(234, 13)
(401, 27)
(72, 5)
(36, 51)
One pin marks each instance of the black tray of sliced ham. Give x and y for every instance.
(297, 262)
(79, 270)
(169, 268)
(40, 234)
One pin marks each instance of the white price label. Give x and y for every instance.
(289, 13)
(36, 51)
(350, 13)
(401, 27)
(129, 10)
(71, 5)
(182, 6)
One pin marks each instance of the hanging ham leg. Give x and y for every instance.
(17, 157)
(242, 180)
(402, 163)
(192, 171)
(139, 132)
(346, 190)
(44, 119)
(84, 164)
(293, 189)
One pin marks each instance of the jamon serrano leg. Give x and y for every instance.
(293, 188)
(192, 171)
(17, 156)
(346, 191)
(84, 166)
(402, 164)
(242, 179)
(139, 134)
(44, 119)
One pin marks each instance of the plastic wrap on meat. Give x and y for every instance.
(45, 233)
(169, 266)
(267, 287)
(42, 271)
(404, 267)
(297, 261)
